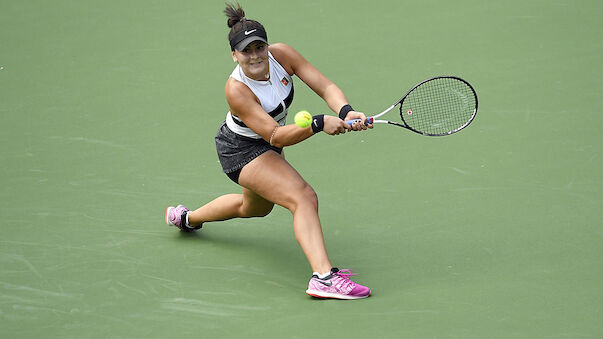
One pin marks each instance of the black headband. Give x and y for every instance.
(246, 36)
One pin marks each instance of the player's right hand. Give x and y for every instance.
(334, 125)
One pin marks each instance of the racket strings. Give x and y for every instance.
(439, 106)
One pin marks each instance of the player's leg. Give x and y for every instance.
(245, 205)
(274, 179)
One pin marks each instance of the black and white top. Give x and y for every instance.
(275, 96)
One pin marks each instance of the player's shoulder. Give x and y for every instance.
(280, 47)
(282, 50)
(286, 55)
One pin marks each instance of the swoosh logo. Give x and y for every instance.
(249, 32)
(326, 283)
(315, 124)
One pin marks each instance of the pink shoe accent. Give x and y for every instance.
(174, 216)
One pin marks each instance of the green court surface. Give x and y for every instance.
(108, 114)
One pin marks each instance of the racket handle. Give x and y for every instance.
(369, 120)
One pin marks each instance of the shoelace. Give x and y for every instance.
(345, 282)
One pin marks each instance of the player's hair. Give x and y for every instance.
(237, 21)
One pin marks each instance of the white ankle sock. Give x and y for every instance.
(321, 276)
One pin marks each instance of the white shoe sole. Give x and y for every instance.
(167, 213)
(321, 294)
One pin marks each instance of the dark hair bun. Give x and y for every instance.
(235, 14)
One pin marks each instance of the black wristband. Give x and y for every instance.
(318, 123)
(343, 112)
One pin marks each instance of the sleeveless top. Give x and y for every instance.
(275, 96)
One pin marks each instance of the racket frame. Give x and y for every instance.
(372, 119)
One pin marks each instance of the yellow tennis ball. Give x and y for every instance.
(303, 119)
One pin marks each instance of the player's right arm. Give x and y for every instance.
(244, 104)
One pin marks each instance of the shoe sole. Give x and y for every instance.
(325, 295)
(167, 213)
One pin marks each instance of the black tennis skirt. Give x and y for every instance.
(235, 151)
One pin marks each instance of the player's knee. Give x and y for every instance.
(307, 196)
(312, 197)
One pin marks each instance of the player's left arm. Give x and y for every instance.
(296, 64)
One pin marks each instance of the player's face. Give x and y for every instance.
(253, 60)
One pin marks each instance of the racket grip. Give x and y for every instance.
(369, 120)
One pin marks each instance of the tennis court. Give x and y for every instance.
(109, 110)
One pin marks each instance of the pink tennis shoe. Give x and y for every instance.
(337, 286)
(176, 216)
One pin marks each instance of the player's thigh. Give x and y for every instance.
(273, 178)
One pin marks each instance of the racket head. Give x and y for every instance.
(439, 106)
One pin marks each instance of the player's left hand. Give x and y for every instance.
(358, 126)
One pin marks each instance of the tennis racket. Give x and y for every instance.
(435, 107)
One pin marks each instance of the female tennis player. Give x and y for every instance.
(250, 141)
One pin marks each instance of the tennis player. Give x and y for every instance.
(249, 143)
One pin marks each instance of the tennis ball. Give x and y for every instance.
(303, 119)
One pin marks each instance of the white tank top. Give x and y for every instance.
(275, 96)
